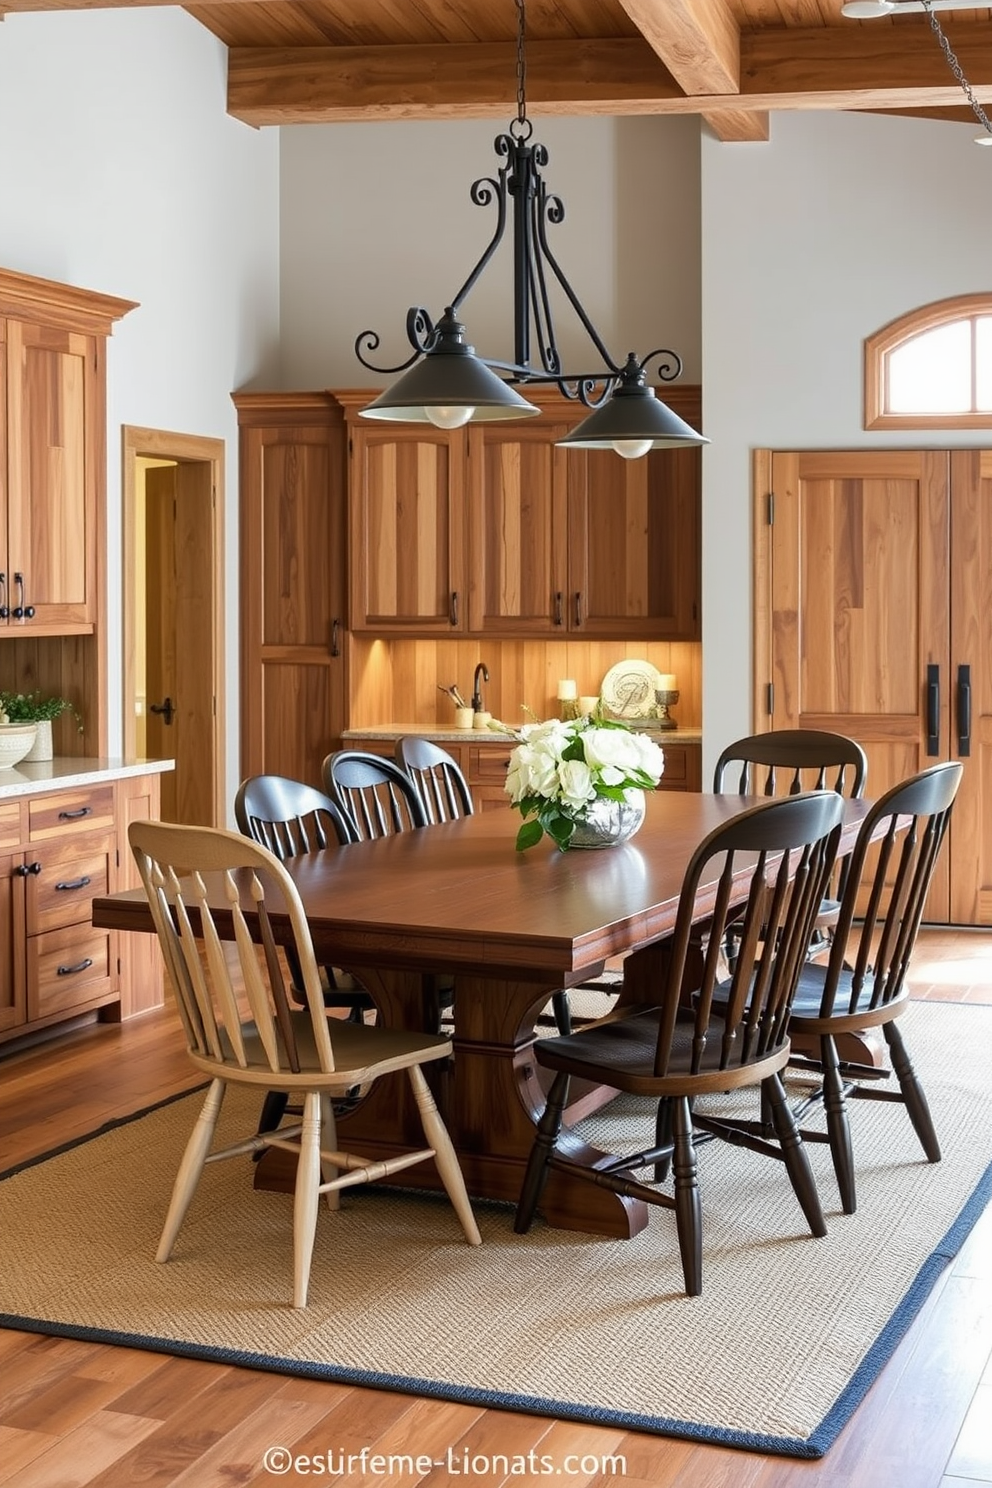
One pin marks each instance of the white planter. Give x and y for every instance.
(41, 749)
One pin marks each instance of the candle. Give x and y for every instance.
(667, 682)
(567, 691)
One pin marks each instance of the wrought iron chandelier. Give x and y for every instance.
(446, 383)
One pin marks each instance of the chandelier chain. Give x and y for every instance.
(522, 119)
(956, 68)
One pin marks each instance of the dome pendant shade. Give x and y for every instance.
(633, 417)
(448, 377)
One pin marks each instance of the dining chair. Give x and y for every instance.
(730, 1035)
(376, 796)
(290, 817)
(252, 1035)
(863, 985)
(438, 778)
(784, 762)
(445, 795)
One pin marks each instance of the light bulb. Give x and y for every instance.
(866, 10)
(632, 449)
(451, 417)
(983, 139)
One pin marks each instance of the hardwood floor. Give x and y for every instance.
(82, 1415)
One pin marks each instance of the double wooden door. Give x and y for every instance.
(874, 619)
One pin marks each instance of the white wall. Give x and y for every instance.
(122, 172)
(812, 241)
(377, 217)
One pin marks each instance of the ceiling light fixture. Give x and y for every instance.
(446, 383)
(866, 10)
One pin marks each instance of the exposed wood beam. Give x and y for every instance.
(297, 85)
(699, 41)
(825, 68)
(10, 7)
(737, 126)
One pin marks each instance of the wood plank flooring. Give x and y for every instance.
(82, 1415)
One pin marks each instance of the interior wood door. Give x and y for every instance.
(969, 685)
(860, 608)
(179, 658)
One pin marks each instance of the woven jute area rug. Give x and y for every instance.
(776, 1354)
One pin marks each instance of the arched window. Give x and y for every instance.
(932, 368)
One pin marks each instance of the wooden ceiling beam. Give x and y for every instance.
(300, 85)
(699, 41)
(737, 126)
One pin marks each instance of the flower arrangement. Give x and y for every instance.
(32, 707)
(558, 770)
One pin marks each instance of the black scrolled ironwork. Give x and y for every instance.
(669, 364)
(421, 333)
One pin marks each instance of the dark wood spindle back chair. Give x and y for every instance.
(443, 790)
(731, 1034)
(376, 796)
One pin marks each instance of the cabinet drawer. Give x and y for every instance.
(71, 810)
(11, 831)
(68, 969)
(488, 766)
(70, 876)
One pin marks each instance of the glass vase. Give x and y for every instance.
(608, 823)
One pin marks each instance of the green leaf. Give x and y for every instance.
(529, 835)
(561, 829)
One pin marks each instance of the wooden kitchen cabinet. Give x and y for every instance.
(406, 521)
(293, 595)
(52, 454)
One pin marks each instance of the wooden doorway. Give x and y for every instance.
(174, 616)
(873, 617)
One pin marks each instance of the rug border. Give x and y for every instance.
(819, 1441)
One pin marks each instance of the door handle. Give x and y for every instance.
(933, 709)
(578, 610)
(557, 618)
(964, 711)
(453, 608)
(166, 709)
(4, 606)
(21, 611)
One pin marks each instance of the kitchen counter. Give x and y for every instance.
(390, 732)
(72, 770)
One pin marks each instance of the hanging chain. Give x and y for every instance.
(524, 127)
(956, 68)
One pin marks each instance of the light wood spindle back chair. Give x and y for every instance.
(732, 1035)
(253, 1035)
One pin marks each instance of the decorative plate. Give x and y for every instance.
(628, 689)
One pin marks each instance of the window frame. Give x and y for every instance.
(880, 346)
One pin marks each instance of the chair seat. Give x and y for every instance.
(361, 1053)
(809, 994)
(620, 1052)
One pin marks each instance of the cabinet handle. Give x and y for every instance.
(453, 612)
(933, 709)
(23, 869)
(74, 883)
(335, 637)
(21, 611)
(79, 966)
(75, 815)
(4, 606)
(964, 711)
(557, 614)
(578, 610)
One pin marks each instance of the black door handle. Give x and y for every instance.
(964, 711)
(166, 709)
(933, 709)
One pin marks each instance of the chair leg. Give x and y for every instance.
(191, 1167)
(328, 1142)
(796, 1157)
(912, 1093)
(306, 1197)
(838, 1125)
(273, 1110)
(562, 1009)
(444, 1154)
(663, 1129)
(688, 1207)
(540, 1154)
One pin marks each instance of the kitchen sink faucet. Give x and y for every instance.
(481, 671)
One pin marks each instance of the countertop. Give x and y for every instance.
(66, 770)
(442, 735)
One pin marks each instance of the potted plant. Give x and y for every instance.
(33, 707)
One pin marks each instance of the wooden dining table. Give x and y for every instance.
(511, 928)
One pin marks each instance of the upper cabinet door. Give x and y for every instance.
(518, 505)
(53, 450)
(634, 544)
(406, 504)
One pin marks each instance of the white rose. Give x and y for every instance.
(532, 772)
(652, 756)
(576, 783)
(611, 749)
